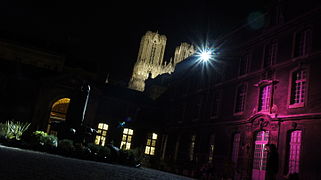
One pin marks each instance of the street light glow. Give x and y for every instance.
(205, 55)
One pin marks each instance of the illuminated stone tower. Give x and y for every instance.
(150, 61)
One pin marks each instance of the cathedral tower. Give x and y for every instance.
(150, 61)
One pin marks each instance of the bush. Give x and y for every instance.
(66, 146)
(101, 153)
(44, 139)
(131, 157)
(13, 129)
(3, 130)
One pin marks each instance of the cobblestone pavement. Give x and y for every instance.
(18, 164)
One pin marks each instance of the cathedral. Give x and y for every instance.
(150, 60)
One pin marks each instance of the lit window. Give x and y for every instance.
(192, 146)
(126, 139)
(211, 148)
(151, 144)
(270, 54)
(294, 152)
(265, 98)
(102, 133)
(240, 99)
(236, 145)
(302, 40)
(260, 154)
(298, 90)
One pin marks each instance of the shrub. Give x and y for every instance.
(3, 130)
(15, 129)
(102, 153)
(131, 157)
(44, 139)
(66, 146)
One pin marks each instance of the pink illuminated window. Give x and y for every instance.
(298, 88)
(302, 40)
(294, 153)
(236, 146)
(260, 155)
(240, 99)
(265, 98)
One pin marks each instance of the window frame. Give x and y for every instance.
(150, 146)
(288, 149)
(265, 84)
(101, 134)
(122, 142)
(290, 88)
(235, 153)
(274, 53)
(308, 43)
(236, 98)
(247, 65)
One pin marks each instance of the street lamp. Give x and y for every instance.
(205, 55)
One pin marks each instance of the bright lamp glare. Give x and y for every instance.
(205, 56)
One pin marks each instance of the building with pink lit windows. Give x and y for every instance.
(261, 89)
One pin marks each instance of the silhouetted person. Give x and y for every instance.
(272, 165)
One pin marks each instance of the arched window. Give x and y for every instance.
(57, 114)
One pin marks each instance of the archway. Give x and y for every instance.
(57, 114)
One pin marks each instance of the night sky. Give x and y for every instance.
(105, 37)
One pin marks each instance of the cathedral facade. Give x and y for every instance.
(150, 60)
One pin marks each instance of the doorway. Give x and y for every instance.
(260, 156)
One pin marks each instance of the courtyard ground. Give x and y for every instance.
(20, 164)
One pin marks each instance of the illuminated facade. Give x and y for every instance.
(263, 91)
(150, 60)
(257, 113)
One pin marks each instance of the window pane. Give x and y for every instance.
(153, 143)
(154, 136)
(147, 149)
(152, 151)
(125, 131)
(105, 127)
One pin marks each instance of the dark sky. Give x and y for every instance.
(105, 36)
